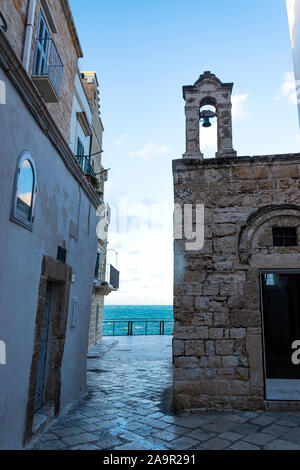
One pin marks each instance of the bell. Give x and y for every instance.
(206, 122)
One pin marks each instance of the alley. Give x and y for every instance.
(128, 407)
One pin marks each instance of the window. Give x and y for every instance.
(98, 266)
(61, 254)
(284, 236)
(24, 191)
(271, 279)
(47, 72)
(80, 148)
(41, 48)
(80, 155)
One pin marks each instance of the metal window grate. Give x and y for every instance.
(284, 236)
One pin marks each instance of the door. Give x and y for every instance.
(281, 327)
(42, 361)
(40, 62)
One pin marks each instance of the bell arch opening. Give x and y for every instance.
(208, 129)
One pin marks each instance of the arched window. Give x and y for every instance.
(24, 191)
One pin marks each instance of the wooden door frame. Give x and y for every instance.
(261, 272)
(60, 275)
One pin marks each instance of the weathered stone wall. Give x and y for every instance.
(92, 90)
(96, 326)
(66, 41)
(91, 86)
(15, 14)
(218, 354)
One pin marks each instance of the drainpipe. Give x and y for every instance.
(28, 34)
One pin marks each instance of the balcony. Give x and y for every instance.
(110, 283)
(48, 69)
(114, 277)
(85, 164)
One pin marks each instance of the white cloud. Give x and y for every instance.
(297, 136)
(120, 140)
(146, 267)
(149, 150)
(145, 258)
(238, 106)
(288, 89)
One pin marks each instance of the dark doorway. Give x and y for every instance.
(281, 326)
(43, 354)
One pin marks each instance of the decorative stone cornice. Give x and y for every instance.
(209, 78)
(36, 105)
(71, 24)
(188, 164)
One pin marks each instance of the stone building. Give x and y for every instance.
(86, 138)
(48, 221)
(106, 276)
(236, 299)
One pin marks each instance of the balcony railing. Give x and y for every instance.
(47, 69)
(113, 277)
(108, 283)
(137, 327)
(86, 166)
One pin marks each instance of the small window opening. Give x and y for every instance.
(284, 236)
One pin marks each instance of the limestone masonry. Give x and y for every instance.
(218, 338)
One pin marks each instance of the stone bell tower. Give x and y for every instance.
(233, 325)
(208, 90)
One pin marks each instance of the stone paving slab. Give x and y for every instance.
(128, 407)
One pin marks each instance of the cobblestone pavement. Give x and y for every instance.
(128, 407)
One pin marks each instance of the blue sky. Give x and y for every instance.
(143, 53)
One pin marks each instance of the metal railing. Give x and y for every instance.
(48, 63)
(85, 164)
(113, 276)
(110, 278)
(137, 327)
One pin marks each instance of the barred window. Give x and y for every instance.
(284, 236)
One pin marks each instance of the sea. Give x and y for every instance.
(121, 320)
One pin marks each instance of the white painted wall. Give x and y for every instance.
(21, 251)
(80, 103)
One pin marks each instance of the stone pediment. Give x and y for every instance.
(209, 78)
(208, 82)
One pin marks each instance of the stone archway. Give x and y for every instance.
(259, 255)
(256, 233)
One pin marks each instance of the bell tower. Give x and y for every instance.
(208, 90)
